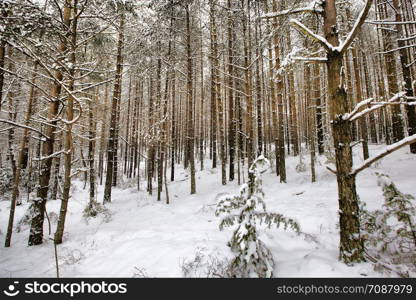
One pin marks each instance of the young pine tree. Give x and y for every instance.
(248, 211)
(390, 233)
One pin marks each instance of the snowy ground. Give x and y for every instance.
(156, 238)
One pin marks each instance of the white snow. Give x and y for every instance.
(155, 237)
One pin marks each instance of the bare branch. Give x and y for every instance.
(23, 126)
(310, 59)
(372, 108)
(391, 148)
(354, 31)
(292, 11)
(357, 108)
(305, 30)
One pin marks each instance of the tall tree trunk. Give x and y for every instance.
(68, 131)
(91, 147)
(405, 64)
(21, 156)
(214, 54)
(190, 109)
(248, 87)
(351, 244)
(279, 94)
(359, 97)
(389, 38)
(112, 139)
(231, 117)
(38, 205)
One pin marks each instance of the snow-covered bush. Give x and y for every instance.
(301, 166)
(140, 273)
(390, 233)
(205, 265)
(94, 209)
(248, 211)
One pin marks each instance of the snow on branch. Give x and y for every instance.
(354, 31)
(390, 22)
(314, 7)
(396, 49)
(305, 30)
(310, 59)
(389, 149)
(296, 55)
(355, 114)
(357, 108)
(23, 126)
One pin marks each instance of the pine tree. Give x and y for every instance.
(390, 233)
(248, 210)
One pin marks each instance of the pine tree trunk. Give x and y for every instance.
(351, 244)
(68, 132)
(38, 205)
(359, 97)
(248, 88)
(112, 140)
(189, 85)
(102, 135)
(279, 94)
(231, 118)
(21, 155)
(405, 64)
(91, 147)
(389, 38)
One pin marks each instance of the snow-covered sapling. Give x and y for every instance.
(248, 211)
(390, 233)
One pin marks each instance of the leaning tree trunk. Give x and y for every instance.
(68, 134)
(21, 157)
(38, 205)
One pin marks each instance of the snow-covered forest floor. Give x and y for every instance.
(149, 238)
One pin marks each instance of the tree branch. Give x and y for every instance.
(23, 126)
(356, 115)
(310, 59)
(305, 30)
(354, 31)
(391, 148)
(291, 11)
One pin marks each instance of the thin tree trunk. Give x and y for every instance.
(38, 205)
(68, 132)
(111, 148)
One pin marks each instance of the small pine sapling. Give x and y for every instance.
(390, 233)
(248, 211)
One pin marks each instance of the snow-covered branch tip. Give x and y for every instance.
(316, 37)
(355, 113)
(310, 59)
(24, 127)
(389, 149)
(315, 7)
(357, 108)
(357, 25)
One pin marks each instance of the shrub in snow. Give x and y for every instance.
(140, 273)
(301, 166)
(248, 211)
(71, 256)
(390, 233)
(205, 265)
(94, 209)
(26, 219)
(330, 157)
